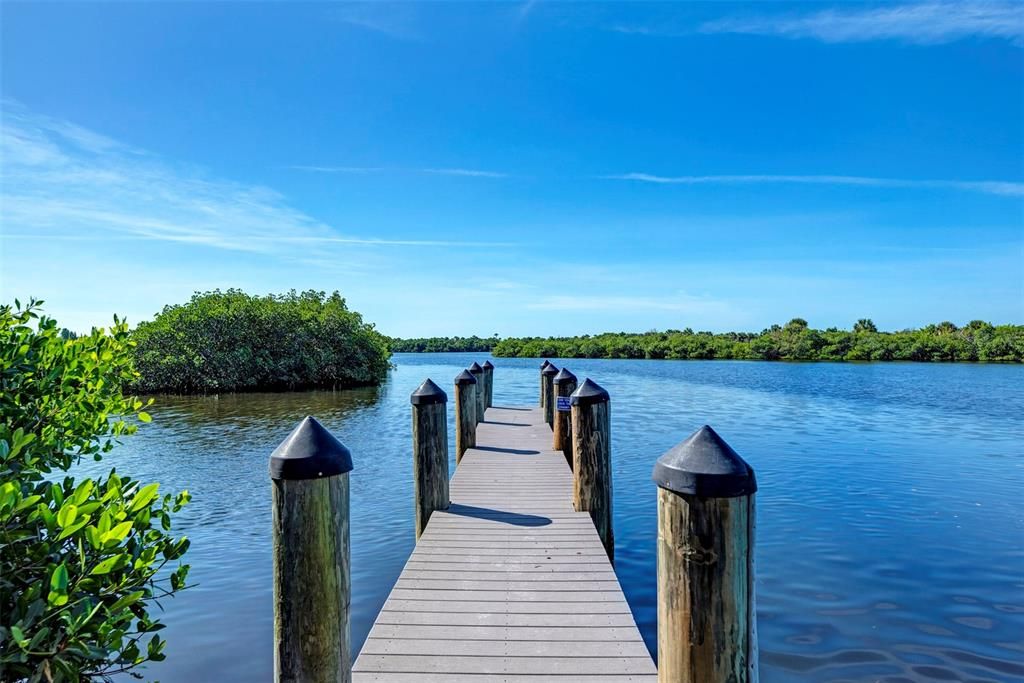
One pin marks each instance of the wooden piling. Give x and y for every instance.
(543, 367)
(481, 390)
(465, 413)
(489, 375)
(564, 383)
(312, 580)
(706, 516)
(547, 376)
(429, 452)
(592, 458)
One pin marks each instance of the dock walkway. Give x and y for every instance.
(510, 584)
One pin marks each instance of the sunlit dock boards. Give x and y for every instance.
(510, 583)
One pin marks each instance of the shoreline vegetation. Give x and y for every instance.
(227, 341)
(794, 341)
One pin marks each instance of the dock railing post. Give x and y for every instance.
(543, 367)
(309, 475)
(429, 452)
(565, 384)
(465, 413)
(592, 458)
(489, 374)
(547, 376)
(481, 390)
(706, 519)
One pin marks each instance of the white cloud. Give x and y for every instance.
(996, 187)
(61, 181)
(466, 172)
(680, 302)
(395, 20)
(924, 23)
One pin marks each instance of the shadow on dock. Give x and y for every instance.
(515, 518)
(510, 451)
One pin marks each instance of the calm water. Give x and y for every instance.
(890, 525)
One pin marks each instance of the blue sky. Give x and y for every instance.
(519, 168)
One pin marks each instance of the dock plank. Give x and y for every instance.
(509, 584)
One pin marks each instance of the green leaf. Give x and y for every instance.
(66, 515)
(82, 492)
(126, 600)
(58, 594)
(59, 578)
(57, 492)
(118, 533)
(19, 637)
(92, 534)
(27, 503)
(144, 417)
(8, 494)
(145, 495)
(39, 637)
(108, 565)
(82, 521)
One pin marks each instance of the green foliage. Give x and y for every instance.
(440, 344)
(233, 341)
(977, 341)
(81, 561)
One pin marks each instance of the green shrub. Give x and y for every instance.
(232, 341)
(81, 561)
(473, 344)
(978, 340)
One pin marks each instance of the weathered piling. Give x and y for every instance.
(312, 582)
(706, 516)
(543, 367)
(429, 452)
(481, 389)
(592, 458)
(465, 413)
(489, 375)
(565, 384)
(547, 376)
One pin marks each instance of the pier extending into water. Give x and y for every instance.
(512, 576)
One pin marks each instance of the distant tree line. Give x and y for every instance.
(441, 344)
(796, 341)
(233, 341)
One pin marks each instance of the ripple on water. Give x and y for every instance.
(889, 520)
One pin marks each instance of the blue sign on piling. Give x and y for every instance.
(563, 404)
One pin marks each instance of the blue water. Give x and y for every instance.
(890, 531)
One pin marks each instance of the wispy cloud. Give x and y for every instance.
(996, 187)
(924, 23)
(679, 301)
(524, 9)
(358, 170)
(395, 20)
(61, 181)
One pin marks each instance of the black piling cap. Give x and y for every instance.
(706, 466)
(475, 368)
(588, 393)
(465, 377)
(428, 393)
(549, 370)
(488, 365)
(309, 452)
(544, 365)
(564, 376)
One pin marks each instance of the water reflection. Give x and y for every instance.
(890, 532)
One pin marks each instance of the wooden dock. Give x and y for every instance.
(509, 584)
